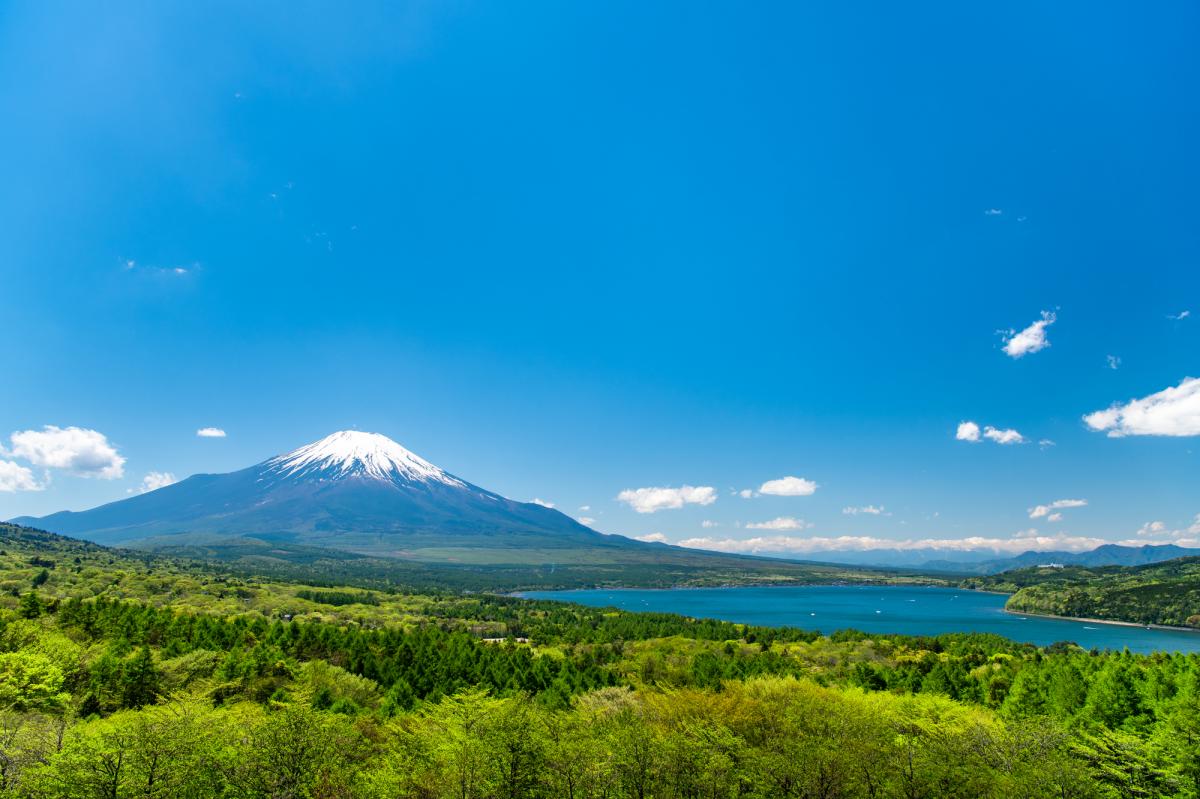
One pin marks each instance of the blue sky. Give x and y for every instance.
(567, 251)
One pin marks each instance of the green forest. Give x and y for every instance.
(128, 676)
(1165, 593)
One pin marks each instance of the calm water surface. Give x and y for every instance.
(891, 609)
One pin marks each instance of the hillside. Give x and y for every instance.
(132, 674)
(658, 567)
(1159, 593)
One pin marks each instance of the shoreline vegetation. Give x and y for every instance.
(1112, 622)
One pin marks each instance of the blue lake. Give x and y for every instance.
(892, 609)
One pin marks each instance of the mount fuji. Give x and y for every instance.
(356, 506)
(355, 491)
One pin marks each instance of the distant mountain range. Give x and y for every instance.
(985, 562)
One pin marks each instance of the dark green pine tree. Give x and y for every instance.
(139, 684)
(31, 606)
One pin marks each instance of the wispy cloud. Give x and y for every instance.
(652, 538)
(1152, 528)
(1038, 511)
(1158, 533)
(652, 500)
(1179, 316)
(994, 212)
(210, 432)
(81, 452)
(1174, 411)
(709, 523)
(870, 510)
(780, 523)
(1022, 541)
(177, 270)
(543, 502)
(1114, 361)
(586, 520)
(1030, 340)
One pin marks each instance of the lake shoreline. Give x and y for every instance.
(914, 611)
(1105, 621)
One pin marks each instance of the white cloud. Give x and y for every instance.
(130, 265)
(1114, 361)
(746, 493)
(652, 500)
(586, 520)
(1151, 528)
(1039, 511)
(1007, 436)
(1179, 316)
(783, 544)
(870, 510)
(1046, 443)
(585, 508)
(709, 523)
(1031, 339)
(789, 487)
(544, 503)
(210, 432)
(967, 431)
(1054, 517)
(1157, 533)
(994, 212)
(15, 477)
(1174, 411)
(85, 453)
(155, 480)
(652, 538)
(780, 523)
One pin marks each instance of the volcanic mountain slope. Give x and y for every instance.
(351, 490)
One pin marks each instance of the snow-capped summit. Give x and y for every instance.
(352, 453)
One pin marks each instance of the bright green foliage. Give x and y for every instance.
(29, 681)
(128, 682)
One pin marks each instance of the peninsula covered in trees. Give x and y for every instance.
(1165, 593)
